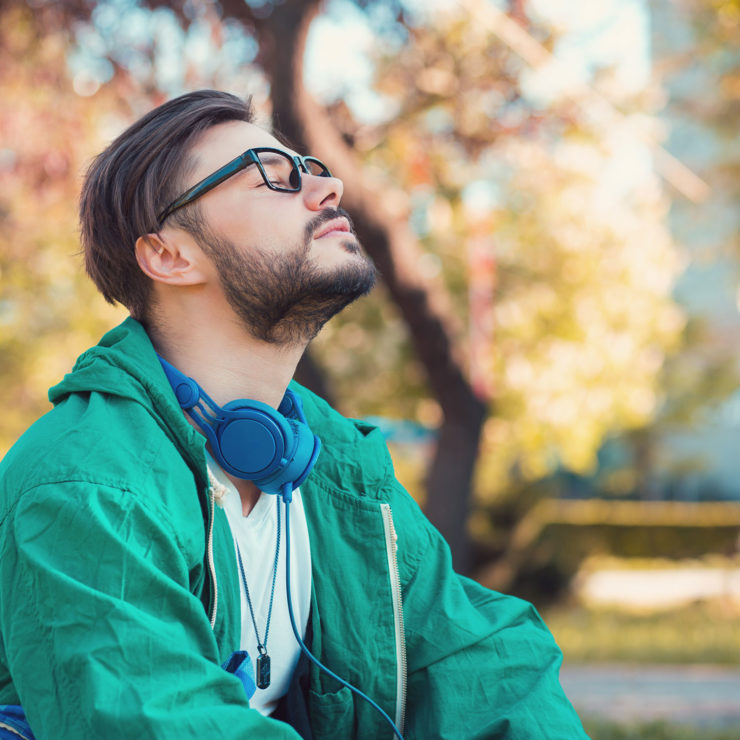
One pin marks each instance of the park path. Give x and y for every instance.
(700, 695)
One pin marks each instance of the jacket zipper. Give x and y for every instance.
(4, 726)
(209, 556)
(391, 548)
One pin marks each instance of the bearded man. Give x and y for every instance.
(187, 523)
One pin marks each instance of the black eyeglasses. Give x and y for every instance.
(280, 171)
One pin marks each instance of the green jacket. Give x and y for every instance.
(120, 597)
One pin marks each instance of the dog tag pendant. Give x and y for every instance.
(263, 671)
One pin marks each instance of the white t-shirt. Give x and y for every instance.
(256, 537)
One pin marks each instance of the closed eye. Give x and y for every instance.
(251, 178)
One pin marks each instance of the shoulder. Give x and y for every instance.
(86, 435)
(95, 441)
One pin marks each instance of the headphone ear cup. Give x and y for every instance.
(252, 439)
(311, 446)
(300, 457)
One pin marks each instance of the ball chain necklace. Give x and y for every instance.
(263, 660)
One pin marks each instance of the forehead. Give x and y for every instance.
(220, 144)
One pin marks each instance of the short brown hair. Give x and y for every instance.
(133, 179)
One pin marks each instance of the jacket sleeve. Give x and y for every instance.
(100, 631)
(481, 665)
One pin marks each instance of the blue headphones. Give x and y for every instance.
(249, 439)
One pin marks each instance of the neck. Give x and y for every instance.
(229, 363)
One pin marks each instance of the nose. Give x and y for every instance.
(321, 192)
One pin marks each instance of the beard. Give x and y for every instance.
(285, 298)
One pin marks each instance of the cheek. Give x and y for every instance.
(257, 222)
(233, 215)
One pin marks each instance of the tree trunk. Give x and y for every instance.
(386, 236)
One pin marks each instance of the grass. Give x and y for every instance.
(602, 730)
(699, 634)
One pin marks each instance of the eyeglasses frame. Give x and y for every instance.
(249, 157)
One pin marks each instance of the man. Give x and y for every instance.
(143, 571)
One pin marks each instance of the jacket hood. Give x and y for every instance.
(122, 364)
(125, 364)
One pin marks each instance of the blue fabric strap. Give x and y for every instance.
(13, 723)
(240, 664)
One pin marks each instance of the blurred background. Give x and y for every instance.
(549, 189)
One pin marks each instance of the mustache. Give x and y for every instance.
(329, 214)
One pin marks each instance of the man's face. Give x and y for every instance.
(286, 262)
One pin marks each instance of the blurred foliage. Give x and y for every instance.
(716, 25)
(48, 308)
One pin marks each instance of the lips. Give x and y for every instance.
(336, 224)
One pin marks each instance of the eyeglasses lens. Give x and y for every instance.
(279, 171)
(315, 167)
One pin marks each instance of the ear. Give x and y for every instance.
(169, 260)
